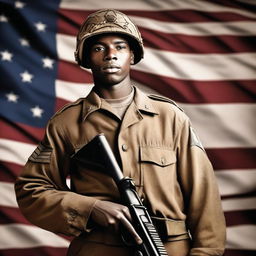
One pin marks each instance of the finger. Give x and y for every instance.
(113, 225)
(131, 230)
(127, 214)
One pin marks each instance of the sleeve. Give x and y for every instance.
(41, 191)
(205, 218)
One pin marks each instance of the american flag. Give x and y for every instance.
(201, 54)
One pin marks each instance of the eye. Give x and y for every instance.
(98, 48)
(121, 46)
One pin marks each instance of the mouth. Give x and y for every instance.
(111, 69)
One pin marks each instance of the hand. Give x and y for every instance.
(111, 215)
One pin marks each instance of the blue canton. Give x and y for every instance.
(28, 61)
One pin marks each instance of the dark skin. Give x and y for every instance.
(110, 58)
(110, 61)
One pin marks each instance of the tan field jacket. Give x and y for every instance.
(154, 144)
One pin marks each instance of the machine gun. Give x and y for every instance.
(98, 148)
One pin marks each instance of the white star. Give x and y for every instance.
(19, 4)
(47, 63)
(24, 42)
(6, 55)
(40, 26)
(37, 111)
(12, 97)
(26, 77)
(3, 18)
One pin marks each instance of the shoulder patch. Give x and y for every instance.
(194, 139)
(42, 154)
(165, 99)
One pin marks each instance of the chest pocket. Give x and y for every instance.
(158, 171)
(159, 156)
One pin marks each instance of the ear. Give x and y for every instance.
(132, 58)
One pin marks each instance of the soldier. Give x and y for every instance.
(153, 141)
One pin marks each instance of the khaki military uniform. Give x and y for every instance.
(156, 146)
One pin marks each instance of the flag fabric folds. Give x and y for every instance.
(202, 54)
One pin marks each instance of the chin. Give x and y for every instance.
(111, 81)
(110, 84)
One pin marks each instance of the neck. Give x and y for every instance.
(115, 91)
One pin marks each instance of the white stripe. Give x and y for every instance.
(146, 89)
(14, 236)
(151, 5)
(241, 237)
(201, 67)
(223, 125)
(71, 91)
(7, 193)
(15, 152)
(239, 204)
(236, 28)
(230, 183)
(236, 182)
(23, 236)
(66, 46)
(218, 125)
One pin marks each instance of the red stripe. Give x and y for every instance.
(230, 252)
(36, 251)
(229, 159)
(240, 217)
(73, 73)
(10, 215)
(191, 91)
(232, 158)
(51, 251)
(187, 16)
(9, 171)
(197, 44)
(73, 18)
(187, 91)
(182, 43)
(20, 132)
(59, 103)
(240, 5)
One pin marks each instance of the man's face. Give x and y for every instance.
(110, 60)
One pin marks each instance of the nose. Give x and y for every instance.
(110, 54)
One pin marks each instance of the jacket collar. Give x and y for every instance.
(93, 103)
(144, 103)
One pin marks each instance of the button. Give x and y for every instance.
(146, 107)
(163, 161)
(124, 147)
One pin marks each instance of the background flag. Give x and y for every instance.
(201, 54)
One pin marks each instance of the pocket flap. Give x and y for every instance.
(160, 156)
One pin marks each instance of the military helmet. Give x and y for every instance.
(108, 21)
